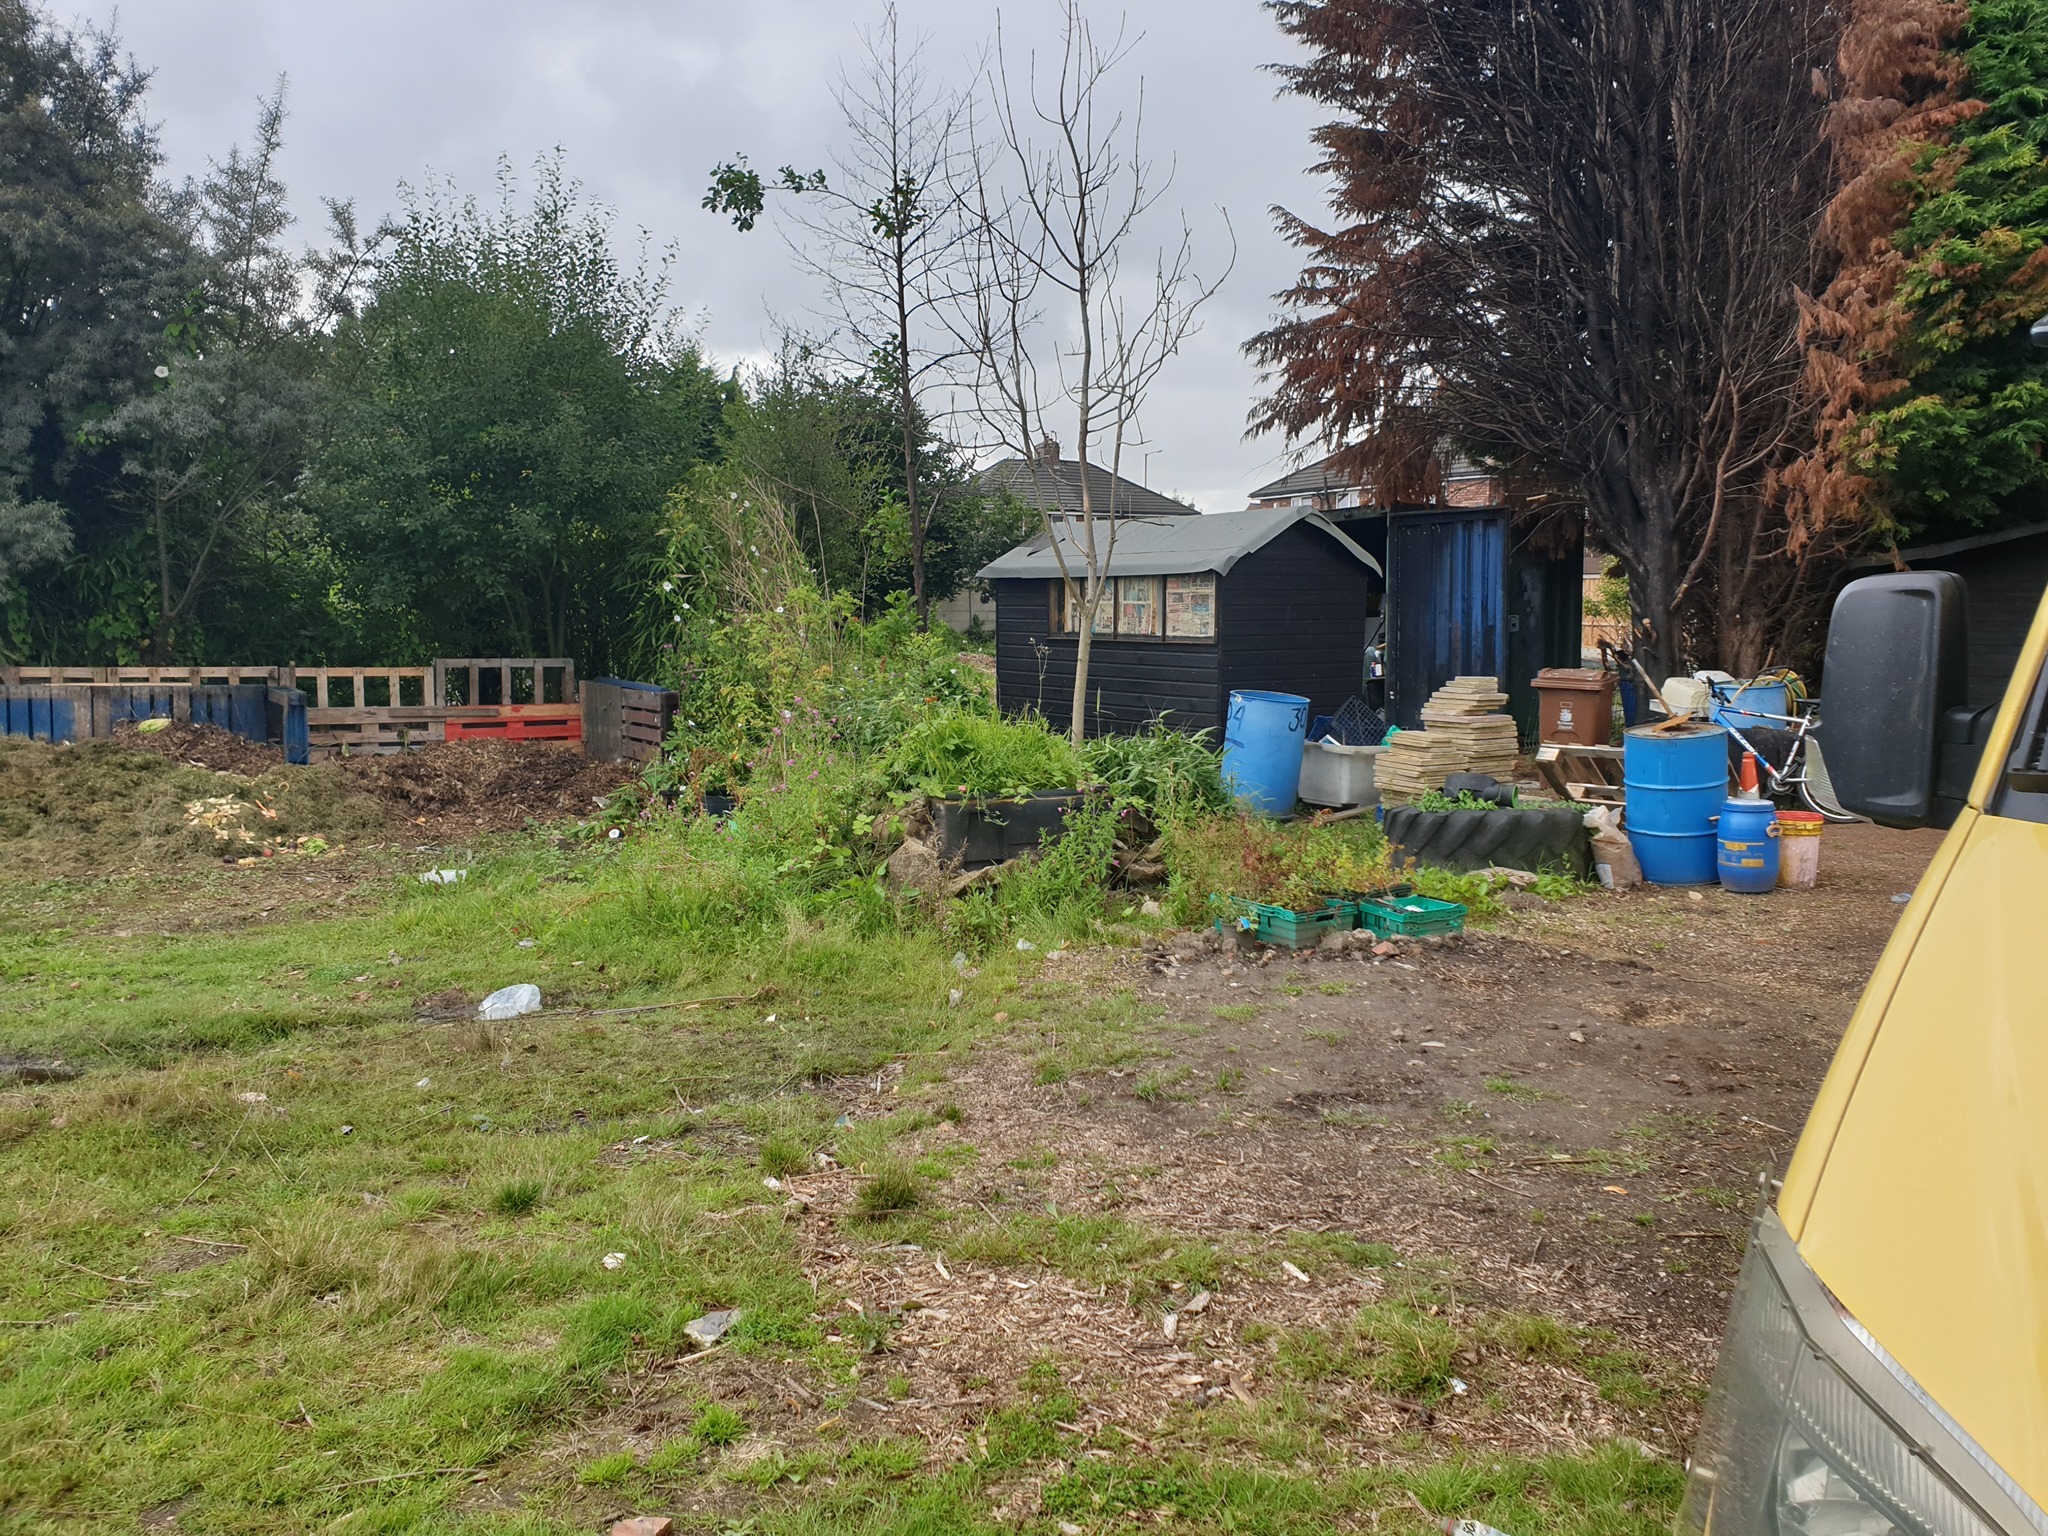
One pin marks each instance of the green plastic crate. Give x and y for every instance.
(1294, 930)
(1409, 916)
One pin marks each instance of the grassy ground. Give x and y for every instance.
(307, 1248)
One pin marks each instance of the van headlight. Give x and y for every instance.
(1812, 1430)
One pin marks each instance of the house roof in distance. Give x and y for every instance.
(1048, 482)
(1319, 479)
(1169, 546)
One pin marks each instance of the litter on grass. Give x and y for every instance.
(510, 1002)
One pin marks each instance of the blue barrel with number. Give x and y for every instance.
(1746, 851)
(1676, 781)
(1262, 743)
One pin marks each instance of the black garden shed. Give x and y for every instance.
(1278, 599)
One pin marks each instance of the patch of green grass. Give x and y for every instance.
(1236, 1013)
(1460, 1153)
(1095, 1249)
(784, 1157)
(1458, 1111)
(1339, 1247)
(890, 1189)
(1230, 1080)
(1326, 1036)
(1154, 1087)
(1509, 1088)
(608, 1470)
(517, 1197)
(1722, 1197)
(718, 1425)
(1334, 988)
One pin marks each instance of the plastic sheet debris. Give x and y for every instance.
(510, 1002)
(443, 876)
(711, 1327)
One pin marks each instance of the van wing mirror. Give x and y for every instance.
(1897, 669)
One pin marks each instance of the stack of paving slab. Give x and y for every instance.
(1464, 731)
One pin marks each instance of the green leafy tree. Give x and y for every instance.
(1960, 440)
(91, 257)
(518, 406)
(827, 445)
(216, 448)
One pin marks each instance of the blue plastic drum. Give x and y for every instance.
(1675, 781)
(1263, 738)
(1747, 846)
(1748, 705)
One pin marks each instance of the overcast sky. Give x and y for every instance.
(645, 96)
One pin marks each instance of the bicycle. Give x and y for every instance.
(1804, 773)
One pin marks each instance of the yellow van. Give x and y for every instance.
(1885, 1368)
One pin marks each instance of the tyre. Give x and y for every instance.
(1467, 840)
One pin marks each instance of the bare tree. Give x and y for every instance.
(885, 234)
(1060, 188)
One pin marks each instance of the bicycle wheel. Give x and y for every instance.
(1818, 790)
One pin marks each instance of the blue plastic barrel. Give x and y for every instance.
(1747, 705)
(1676, 782)
(1746, 850)
(1262, 741)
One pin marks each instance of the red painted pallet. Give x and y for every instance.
(522, 722)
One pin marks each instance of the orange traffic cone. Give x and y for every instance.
(1747, 779)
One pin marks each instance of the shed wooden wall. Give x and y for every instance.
(1131, 683)
(1290, 617)
(1294, 616)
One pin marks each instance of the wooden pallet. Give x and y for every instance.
(1588, 774)
(196, 677)
(519, 722)
(469, 681)
(624, 721)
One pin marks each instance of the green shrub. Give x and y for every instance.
(1161, 772)
(1296, 865)
(969, 752)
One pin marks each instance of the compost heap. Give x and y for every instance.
(189, 793)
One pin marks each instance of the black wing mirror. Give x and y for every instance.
(1900, 739)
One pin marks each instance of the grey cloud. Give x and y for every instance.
(644, 97)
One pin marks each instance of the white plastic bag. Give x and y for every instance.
(510, 1002)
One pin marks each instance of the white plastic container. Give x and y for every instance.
(1336, 775)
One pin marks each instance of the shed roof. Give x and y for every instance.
(1170, 546)
(1035, 482)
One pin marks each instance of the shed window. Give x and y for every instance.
(1137, 605)
(1143, 607)
(1191, 607)
(1067, 610)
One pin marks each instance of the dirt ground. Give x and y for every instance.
(1568, 1116)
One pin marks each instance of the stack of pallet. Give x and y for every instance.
(1463, 731)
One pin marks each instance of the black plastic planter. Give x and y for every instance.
(1468, 840)
(973, 834)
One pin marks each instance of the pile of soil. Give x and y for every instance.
(465, 787)
(101, 808)
(203, 746)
